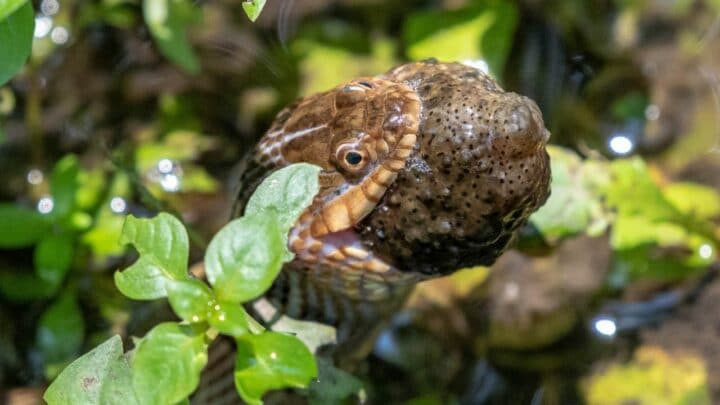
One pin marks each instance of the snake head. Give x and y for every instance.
(478, 170)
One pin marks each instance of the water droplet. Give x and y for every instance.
(49, 7)
(165, 166)
(221, 317)
(273, 355)
(45, 205)
(195, 318)
(652, 112)
(59, 35)
(35, 176)
(705, 251)
(118, 205)
(170, 183)
(43, 25)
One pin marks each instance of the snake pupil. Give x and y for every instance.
(353, 158)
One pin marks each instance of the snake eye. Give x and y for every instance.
(353, 158)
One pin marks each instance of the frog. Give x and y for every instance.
(425, 169)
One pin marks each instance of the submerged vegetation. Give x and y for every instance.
(122, 124)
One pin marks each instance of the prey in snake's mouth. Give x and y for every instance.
(425, 169)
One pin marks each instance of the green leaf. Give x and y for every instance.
(142, 281)
(103, 237)
(633, 231)
(633, 192)
(168, 21)
(53, 256)
(573, 206)
(653, 376)
(20, 227)
(477, 32)
(287, 191)
(230, 318)
(271, 361)
(64, 185)
(191, 299)
(244, 258)
(198, 180)
(60, 331)
(16, 35)
(167, 363)
(253, 8)
(693, 199)
(332, 53)
(8, 7)
(333, 385)
(163, 240)
(20, 287)
(101, 376)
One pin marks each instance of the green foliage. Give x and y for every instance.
(190, 299)
(241, 262)
(253, 8)
(162, 243)
(53, 256)
(167, 363)
(64, 186)
(334, 52)
(660, 233)
(283, 194)
(270, 361)
(168, 20)
(333, 385)
(60, 333)
(241, 247)
(652, 237)
(483, 30)
(573, 206)
(20, 227)
(8, 7)
(101, 376)
(653, 376)
(17, 23)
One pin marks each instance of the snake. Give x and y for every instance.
(425, 169)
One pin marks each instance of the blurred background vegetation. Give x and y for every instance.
(129, 106)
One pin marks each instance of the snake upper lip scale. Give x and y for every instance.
(425, 169)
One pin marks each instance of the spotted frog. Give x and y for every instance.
(427, 168)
